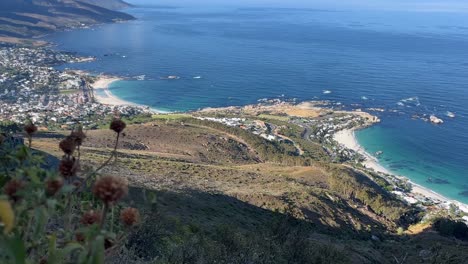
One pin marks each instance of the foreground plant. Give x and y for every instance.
(63, 216)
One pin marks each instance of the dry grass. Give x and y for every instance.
(193, 144)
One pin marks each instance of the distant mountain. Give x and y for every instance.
(27, 18)
(109, 4)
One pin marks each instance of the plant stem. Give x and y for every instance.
(68, 216)
(114, 154)
(112, 220)
(104, 215)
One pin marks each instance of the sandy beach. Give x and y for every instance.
(102, 93)
(348, 139)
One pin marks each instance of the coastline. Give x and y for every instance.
(344, 137)
(102, 93)
(348, 139)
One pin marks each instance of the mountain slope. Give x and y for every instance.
(217, 194)
(28, 18)
(109, 4)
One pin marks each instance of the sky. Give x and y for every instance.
(401, 5)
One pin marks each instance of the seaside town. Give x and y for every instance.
(31, 89)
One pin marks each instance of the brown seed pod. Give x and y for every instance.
(68, 145)
(53, 186)
(30, 129)
(91, 217)
(118, 125)
(78, 137)
(80, 237)
(110, 189)
(43, 260)
(12, 188)
(68, 168)
(130, 216)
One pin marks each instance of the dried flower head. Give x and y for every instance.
(68, 168)
(30, 129)
(91, 217)
(79, 237)
(53, 185)
(110, 189)
(130, 216)
(78, 136)
(43, 260)
(118, 125)
(68, 145)
(12, 189)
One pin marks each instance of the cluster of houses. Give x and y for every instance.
(30, 89)
(63, 111)
(256, 127)
(322, 129)
(25, 69)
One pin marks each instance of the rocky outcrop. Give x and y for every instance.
(435, 120)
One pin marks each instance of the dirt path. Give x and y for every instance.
(300, 151)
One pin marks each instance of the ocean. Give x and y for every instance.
(411, 64)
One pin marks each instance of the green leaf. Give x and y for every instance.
(67, 189)
(70, 247)
(41, 217)
(33, 176)
(63, 254)
(51, 203)
(97, 256)
(14, 248)
(151, 197)
(52, 258)
(22, 153)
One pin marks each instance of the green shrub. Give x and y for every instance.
(448, 227)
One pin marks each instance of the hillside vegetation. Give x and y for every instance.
(109, 4)
(223, 195)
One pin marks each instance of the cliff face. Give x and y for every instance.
(27, 18)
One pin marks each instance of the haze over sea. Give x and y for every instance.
(408, 63)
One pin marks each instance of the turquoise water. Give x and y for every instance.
(417, 159)
(406, 63)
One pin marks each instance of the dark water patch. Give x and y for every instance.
(464, 193)
(397, 167)
(437, 181)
